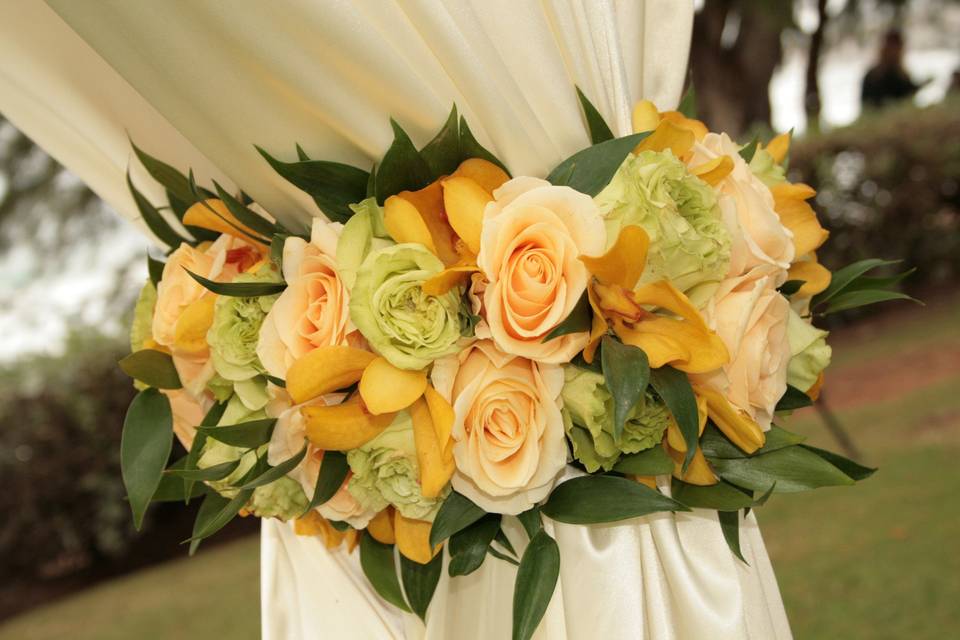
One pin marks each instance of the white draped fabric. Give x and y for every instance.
(199, 82)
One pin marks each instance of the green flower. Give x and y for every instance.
(363, 233)
(385, 471)
(809, 352)
(142, 325)
(236, 328)
(764, 167)
(588, 417)
(283, 499)
(402, 323)
(689, 244)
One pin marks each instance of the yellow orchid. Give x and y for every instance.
(681, 340)
(698, 471)
(796, 214)
(213, 215)
(381, 527)
(413, 538)
(313, 524)
(814, 275)
(740, 428)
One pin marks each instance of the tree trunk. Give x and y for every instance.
(811, 94)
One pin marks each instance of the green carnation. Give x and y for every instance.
(809, 352)
(236, 328)
(765, 167)
(283, 499)
(689, 244)
(588, 417)
(141, 329)
(402, 323)
(385, 471)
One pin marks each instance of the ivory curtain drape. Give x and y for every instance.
(199, 82)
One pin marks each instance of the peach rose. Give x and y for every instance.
(757, 235)
(187, 412)
(508, 432)
(750, 316)
(533, 233)
(287, 441)
(314, 310)
(178, 292)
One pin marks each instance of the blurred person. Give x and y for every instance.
(887, 81)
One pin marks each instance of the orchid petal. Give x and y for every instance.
(190, 332)
(436, 469)
(342, 427)
(483, 172)
(668, 135)
(413, 538)
(388, 389)
(645, 116)
(623, 264)
(790, 203)
(714, 171)
(464, 201)
(324, 370)
(213, 215)
(814, 275)
(740, 428)
(381, 527)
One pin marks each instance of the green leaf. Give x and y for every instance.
(244, 215)
(531, 521)
(277, 381)
(202, 201)
(469, 547)
(275, 473)
(333, 186)
(716, 445)
(852, 469)
(792, 468)
(721, 496)
(599, 131)
(456, 513)
(377, 562)
(626, 371)
(790, 287)
(155, 269)
(588, 171)
(442, 154)
(861, 298)
(214, 514)
(593, 499)
(843, 278)
(248, 435)
(239, 289)
(675, 390)
(216, 472)
(152, 367)
(502, 539)
(402, 168)
(145, 446)
(171, 489)
(420, 581)
(688, 105)
(277, 243)
(536, 582)
(652, 462)
(579, 320)
(502, 556)
(750, 150)
(470, 148)
(340, 525)
(878, 282)
(171, 179)
(730, 525)
(793, 399)
(333, 471)
(190, 462)
(153, 219)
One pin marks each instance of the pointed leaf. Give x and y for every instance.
(852, 469)
(152, 367)
(402, 168)
(730, 525)
(791, 468)
(793, 399)
(442, 154)
(536, 582)
(214, 514)
(531, 521)
(716, 445)
(456, 513)
(721, 496)
(841, 279)
(145, 446)
(790, 287)
(688, 105)
(626, 371)
(579, 320)
(171, 489)
(244, 215)
(420, 582)
(469, 547)
(248, 435)
(675, 390)
(590, 170)
(239, 289)
(333, 471)
(216, 472)
(199, 439)
(155, 269)
(470, 148)
(275, 473)
(652, 462)
(593, 499)
(377, 562)
(861, 298)
(598, 128)
(153, 219)
(172, 180)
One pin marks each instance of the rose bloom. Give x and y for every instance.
(187, 414)
(533, 233)
(221, 261)
(287, 441)
(750, 316)
(757, 235)
(508, 431)
(314, 310)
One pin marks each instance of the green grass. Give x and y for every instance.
(873, 561)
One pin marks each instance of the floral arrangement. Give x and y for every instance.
(452, 346)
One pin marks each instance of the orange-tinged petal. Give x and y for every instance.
(454, 276)
(664, 295)
(698, 471)
(779, 147)
(381, 527)
(388, 389)
(313, 524)
(214, 215)
(714, 171)
(675, 438)
(740, 428)
(190, 332)
(814, 391)
(435, 467)
(483, 172)
(789, 201)
(650, 481)
(598, 326)
(464, 201)
(413, 538)
(678, 343)
(623, 264)
(696, 127)
(815, 276)
(405, 224)
(429, 204)
(342, 427)
(645, 116)
(668, 135)
(443, 416)
(324, 370)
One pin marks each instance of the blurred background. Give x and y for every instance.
(871, 90)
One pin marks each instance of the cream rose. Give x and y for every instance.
(314, 310)
(746, 204)
(750, 316)
(508, 430)
(533, 233)
(287, 441)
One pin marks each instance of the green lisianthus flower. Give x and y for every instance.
(235, 330)
(689, 244)
(588, 417)
(141, 327)
(364, 232)
(764, 167)
(402, 323)
(809, 352)
(283, 499)
(385, 471)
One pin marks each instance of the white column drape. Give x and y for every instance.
(199, 82)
